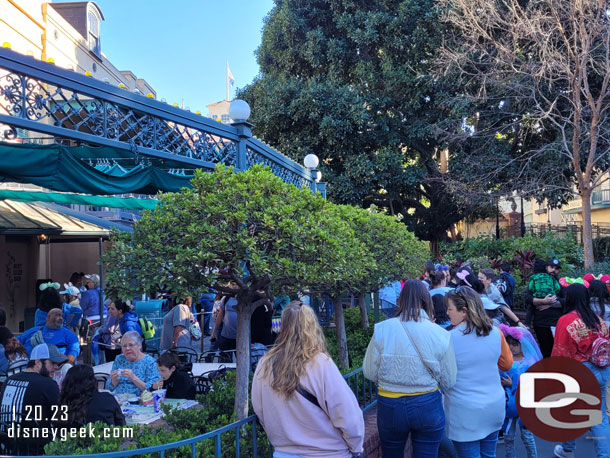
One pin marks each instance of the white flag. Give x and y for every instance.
(230, 75)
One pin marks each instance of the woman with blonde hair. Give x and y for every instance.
(475, 405)
(320, 415)
(411, 359)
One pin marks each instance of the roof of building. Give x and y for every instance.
(23, 218)
(76, 14)
(222, 102)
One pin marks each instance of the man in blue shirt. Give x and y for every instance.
(388, 296)
(54, 333)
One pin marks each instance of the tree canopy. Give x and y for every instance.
(543, 68)
(350, 81)
(252, 236)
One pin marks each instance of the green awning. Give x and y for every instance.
(62, 168)
(80, 199)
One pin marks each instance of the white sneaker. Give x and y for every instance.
(561, 453)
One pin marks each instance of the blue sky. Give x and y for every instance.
(181, 47)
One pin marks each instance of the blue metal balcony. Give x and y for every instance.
(39, 97)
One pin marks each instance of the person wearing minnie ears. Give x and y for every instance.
(583, 336)
(525, 353)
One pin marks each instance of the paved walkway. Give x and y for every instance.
(584, 448)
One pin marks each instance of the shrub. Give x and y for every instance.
(357, 338)
(601, 248)
(550, 245)
(597, 269)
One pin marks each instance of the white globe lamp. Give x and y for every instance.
(311, 161)
(239, 110)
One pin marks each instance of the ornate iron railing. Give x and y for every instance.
(40, 97)
(194, 446)
(364, 389)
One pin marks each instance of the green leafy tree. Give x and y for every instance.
(543, 68)
(396, 252)
(250, 229)
(348, 262)
(350, 81)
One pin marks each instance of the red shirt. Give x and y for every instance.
(573, 339)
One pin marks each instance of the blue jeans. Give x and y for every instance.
(446, 448)
(388, 309)
(207, 304)
(422, 416)
(526, 436)
(601, 432)
(484, 448)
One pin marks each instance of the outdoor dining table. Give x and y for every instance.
(198, 368)
(136, 414)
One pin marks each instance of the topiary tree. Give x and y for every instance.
(396, 252)
(347, 263)
(265, 235)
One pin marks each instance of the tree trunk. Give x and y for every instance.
(364, 316)
(434, 247)
(587, 232)
(243, 361)
(341, 336)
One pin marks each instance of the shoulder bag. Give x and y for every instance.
(311, 398)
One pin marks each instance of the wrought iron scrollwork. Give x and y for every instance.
(254, 157)
(65, 105)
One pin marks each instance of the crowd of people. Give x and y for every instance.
(47, 366)
(447, 360)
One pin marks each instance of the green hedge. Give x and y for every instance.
(601, 249)
(481, 251)
(357, 338)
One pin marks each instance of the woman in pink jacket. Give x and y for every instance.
(301, 398)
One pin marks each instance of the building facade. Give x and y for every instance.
(41, 241)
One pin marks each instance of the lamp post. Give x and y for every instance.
(522, 219)
(239, 112)
(498, 219)
(311, 163)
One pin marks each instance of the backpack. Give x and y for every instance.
(148, 330)
(600, 352)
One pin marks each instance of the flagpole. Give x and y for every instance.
(227, 75)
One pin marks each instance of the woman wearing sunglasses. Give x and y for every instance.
(410, 358)
(475, 405)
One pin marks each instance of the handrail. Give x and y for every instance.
(41, 97)
(366, 399)
(172, 445)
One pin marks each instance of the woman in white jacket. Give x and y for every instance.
(410, 358)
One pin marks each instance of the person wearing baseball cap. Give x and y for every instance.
(554, 265)
(33, 388)
(545, 311)
(71, 308)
